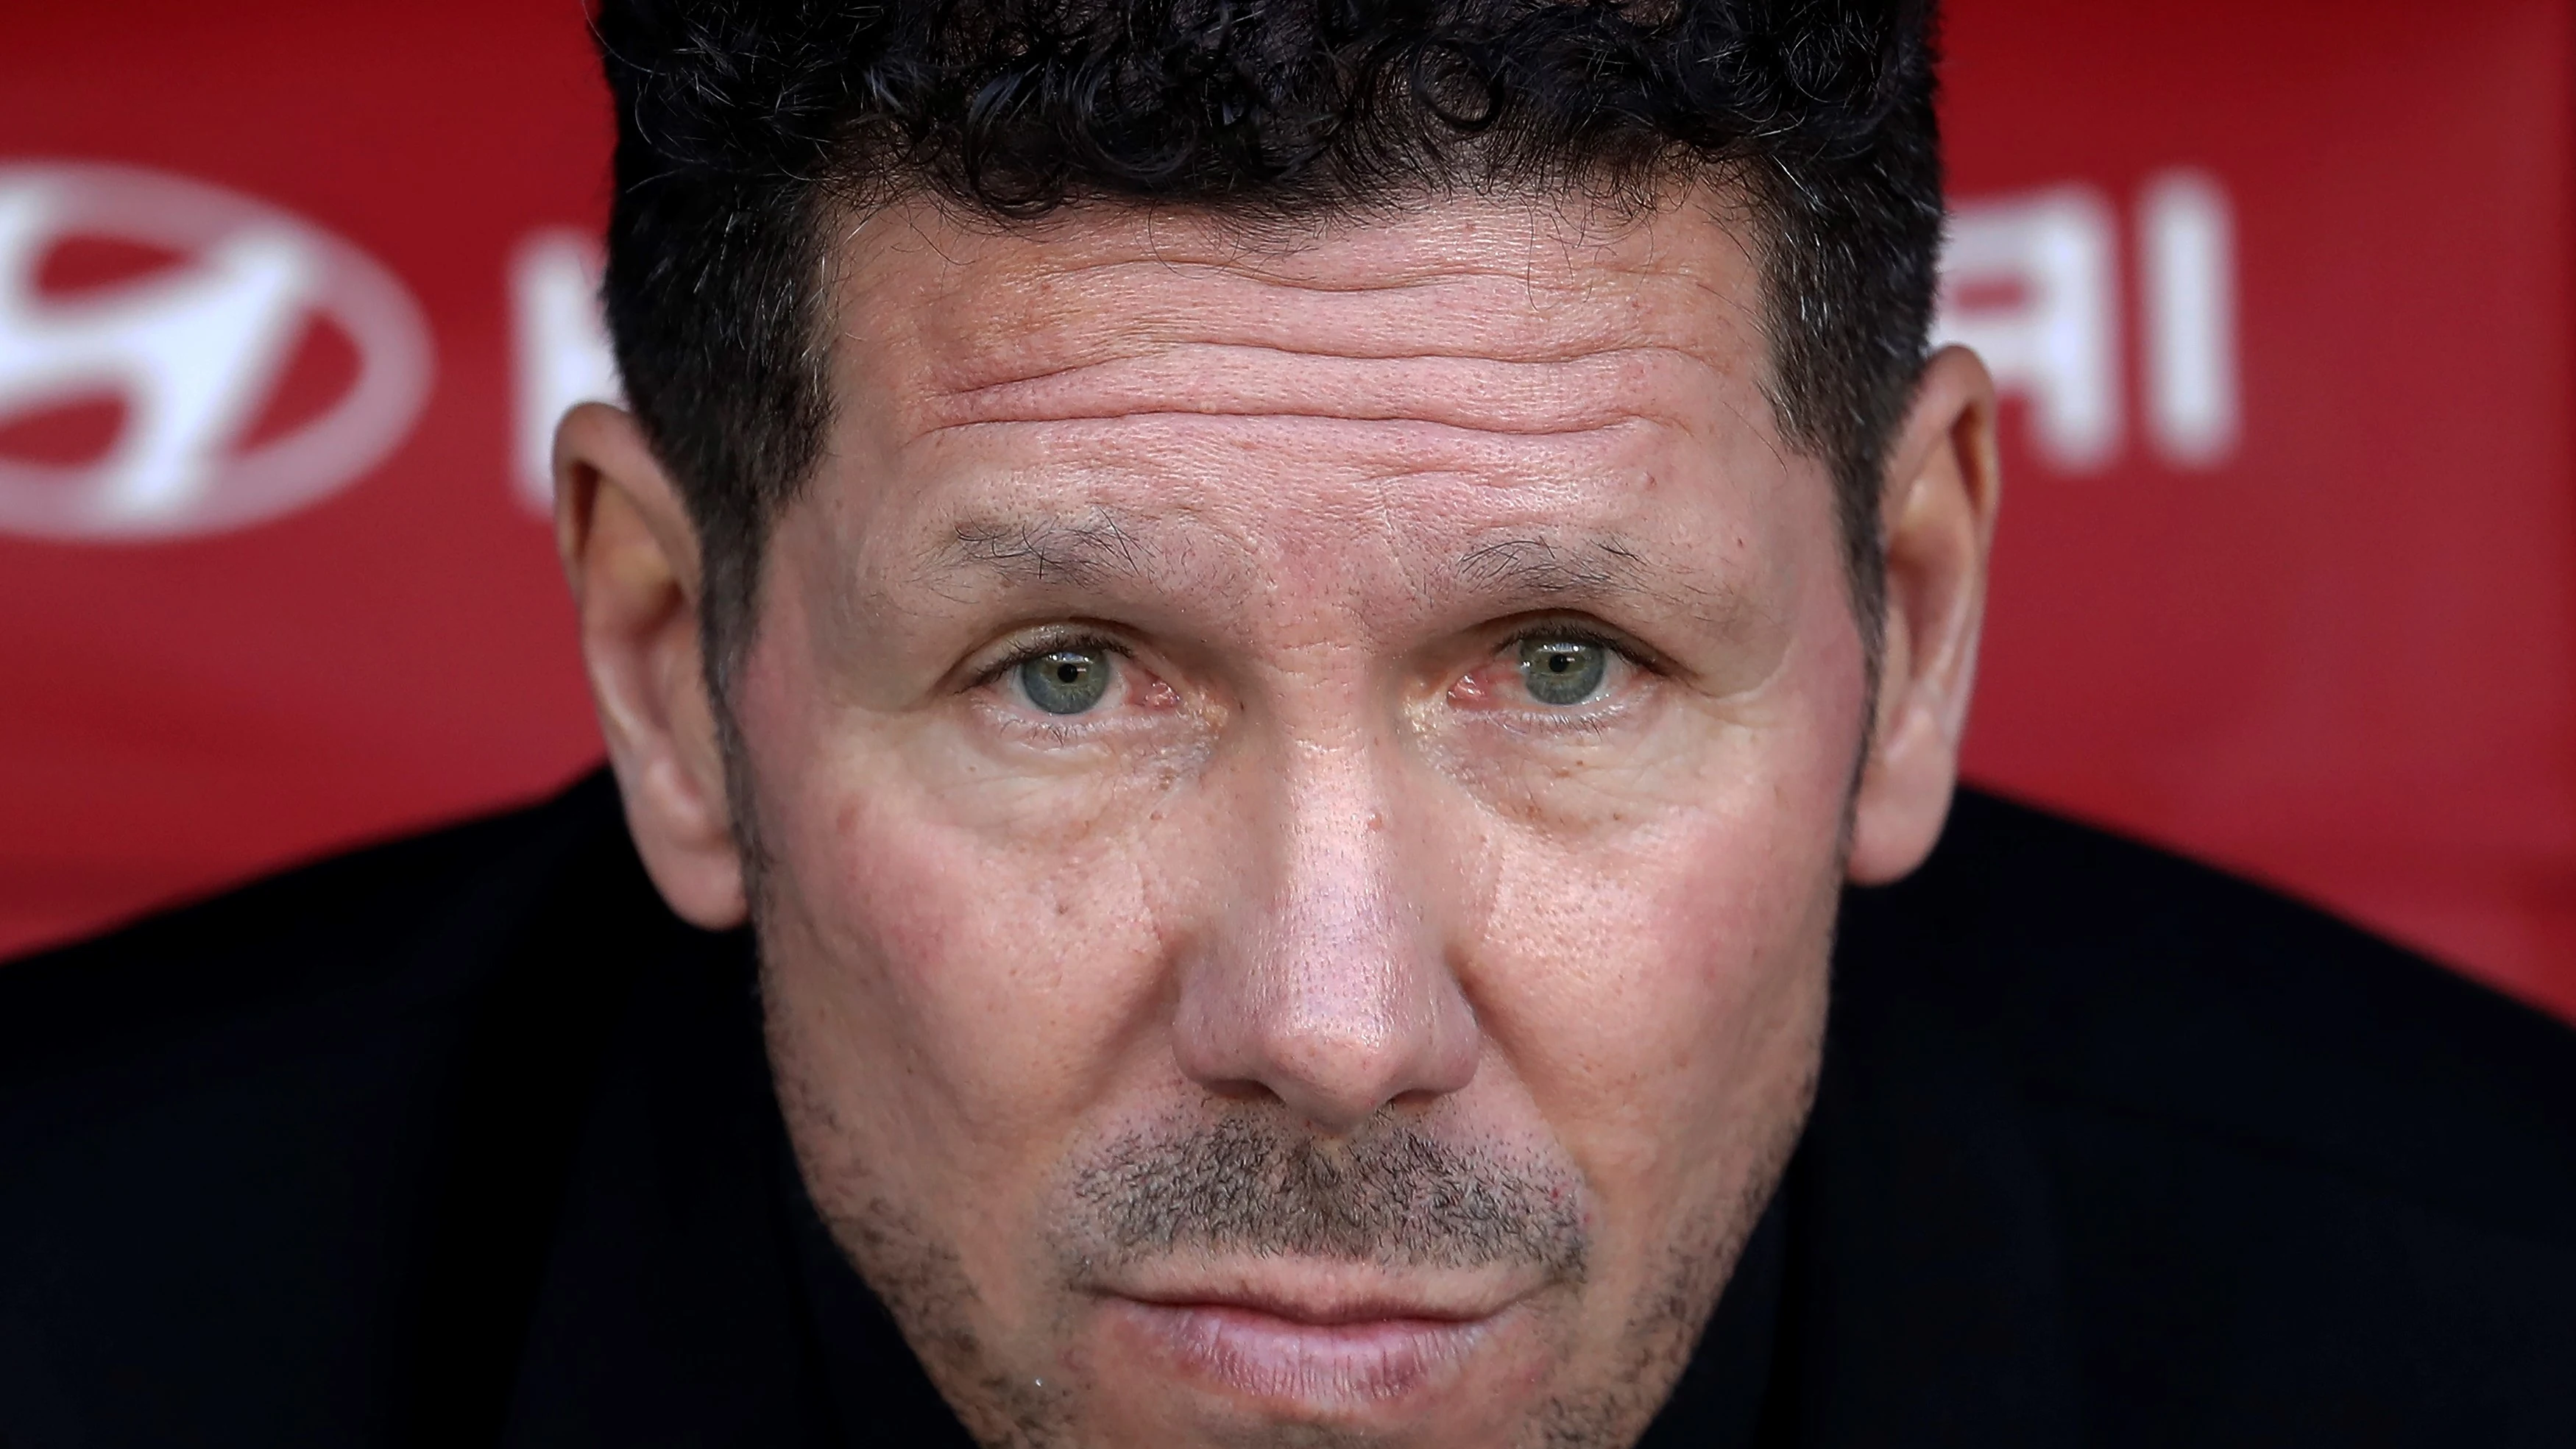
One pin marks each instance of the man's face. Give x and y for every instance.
(1303, 790)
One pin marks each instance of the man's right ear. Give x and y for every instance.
(631, 556)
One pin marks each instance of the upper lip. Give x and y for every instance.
(1317, 1312)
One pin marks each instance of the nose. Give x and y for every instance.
(1325, 982)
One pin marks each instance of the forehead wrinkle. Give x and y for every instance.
(970, 332)
(1576, 394)
(1447, 290)
(1513, 242)
(974, 343)
(1429, 273)
(1147, 349)
(1199, 462)
(1399, 436)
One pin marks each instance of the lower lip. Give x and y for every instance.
(1310, 1366)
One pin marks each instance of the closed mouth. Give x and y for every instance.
(1322, 1349)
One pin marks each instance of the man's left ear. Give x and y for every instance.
(1937, 516)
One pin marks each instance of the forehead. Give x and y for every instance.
(993, 323)
(1483, 373)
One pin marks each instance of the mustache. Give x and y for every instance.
(1250, 1183)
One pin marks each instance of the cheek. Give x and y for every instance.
(1637, 994)
(1003, 965)
(955, 975)
(1657, 980)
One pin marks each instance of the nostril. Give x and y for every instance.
(1238, 1089)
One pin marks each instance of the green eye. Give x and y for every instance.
(1066, 681)
(1563, 671)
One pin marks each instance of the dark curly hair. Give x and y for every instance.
(743, 123)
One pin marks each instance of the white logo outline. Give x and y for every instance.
(195, 353)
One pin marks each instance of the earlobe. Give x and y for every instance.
(1938, 519)
(630, 555)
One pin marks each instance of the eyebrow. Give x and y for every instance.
(1514, 568)
(1540, 566)
(1590, 569)
(1080, 551)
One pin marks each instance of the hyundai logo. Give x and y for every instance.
(194, 351)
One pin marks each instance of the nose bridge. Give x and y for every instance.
(1327, 984)
(1344, 920)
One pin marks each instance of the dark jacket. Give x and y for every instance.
(465, 1139)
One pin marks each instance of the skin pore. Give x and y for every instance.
(1305, 788)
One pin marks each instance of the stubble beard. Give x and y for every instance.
(1241, 1182)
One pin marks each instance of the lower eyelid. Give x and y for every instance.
(1021, 719)
(1491, 698)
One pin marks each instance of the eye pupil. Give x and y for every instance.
(1563, 671)
(1066, 681)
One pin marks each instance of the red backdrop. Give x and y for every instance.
(2280, 294)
